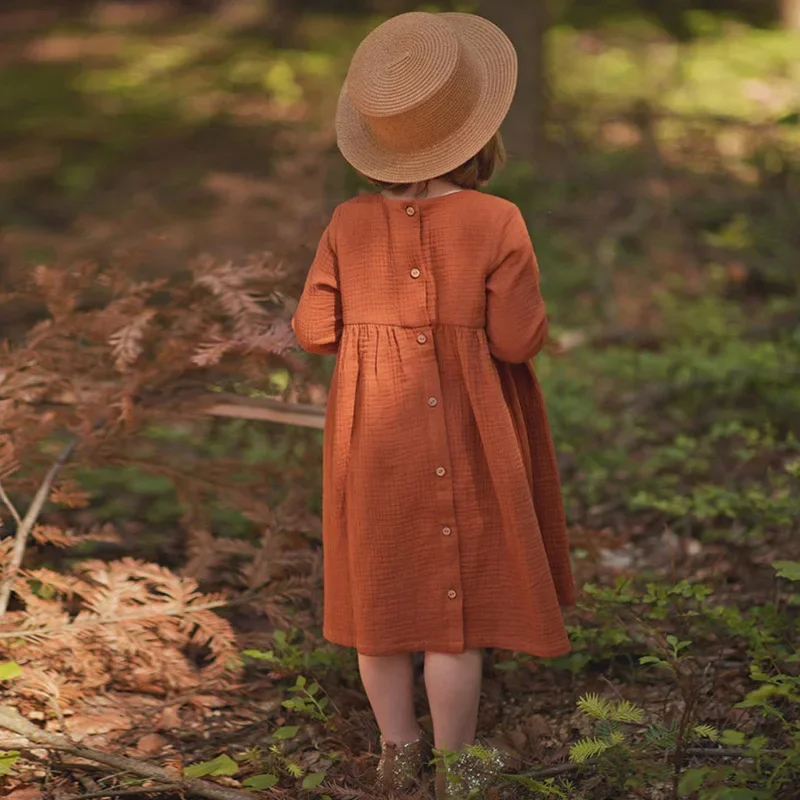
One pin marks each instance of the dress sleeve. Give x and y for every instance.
(317, 322)
(516, 322)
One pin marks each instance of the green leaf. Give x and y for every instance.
(644, 660)
(313, 780)
(260, 655)
(259, 782)
(793, 118)
(9, 670)
(733, 738)
(7, 760)
(692, 780)
(313, 689)
(286, 732)
(758, 743)
(787, 569)
(301, 682)
(221, 765)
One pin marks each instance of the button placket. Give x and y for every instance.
(442, 481)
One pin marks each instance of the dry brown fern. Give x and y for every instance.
(114, 356)
(126, 624)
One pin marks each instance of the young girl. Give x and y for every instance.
(443, 523)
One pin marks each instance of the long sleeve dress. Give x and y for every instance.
(443, 524)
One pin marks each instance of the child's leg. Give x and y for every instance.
(453, 683)
(389, 683)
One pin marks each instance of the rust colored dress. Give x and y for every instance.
(443, 524)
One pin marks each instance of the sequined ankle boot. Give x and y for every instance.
(474, 772)
(400, 765)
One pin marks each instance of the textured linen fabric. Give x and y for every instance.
(443, 524)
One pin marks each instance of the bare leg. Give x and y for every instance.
(389, 683)
(453, 683)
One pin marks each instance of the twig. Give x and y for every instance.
(129, 791)
(558, 769)
(13, 721)
(25, 526)
(305, 415)
(10, 506)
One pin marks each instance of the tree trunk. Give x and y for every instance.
(526, 24)
(790, 14)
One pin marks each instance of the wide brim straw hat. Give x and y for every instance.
(424, 93)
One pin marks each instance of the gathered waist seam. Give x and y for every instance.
(426, 326)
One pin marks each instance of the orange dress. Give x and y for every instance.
(443, 524)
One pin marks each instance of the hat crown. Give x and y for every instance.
(402, 64)
(423, 94)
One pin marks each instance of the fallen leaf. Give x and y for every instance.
(151, 744)
(169, 719)
(537, 727)
(518, 738)
(80, 726)
(24, 793)
(208, 701)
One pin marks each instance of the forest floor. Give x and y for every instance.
(668, 247)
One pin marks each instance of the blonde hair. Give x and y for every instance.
(473, 173)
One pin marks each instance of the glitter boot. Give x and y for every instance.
(471, 775)
(400, 765)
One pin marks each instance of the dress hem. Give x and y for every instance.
(454, 648)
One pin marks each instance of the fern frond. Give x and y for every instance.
(595, 706)
(126, 343)
(53, 535)
(293, 768)
(70, 495)
(586, 749)
(625, 711)
(707, 732)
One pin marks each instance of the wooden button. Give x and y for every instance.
(446, 531)
(452, 594)
(415, 273)
(441, 472)
(433, 402)
(410, 210)
(422, 338)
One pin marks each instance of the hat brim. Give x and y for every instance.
(496, 63)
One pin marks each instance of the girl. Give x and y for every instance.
(443, 523)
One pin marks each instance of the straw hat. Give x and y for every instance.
(424, 93)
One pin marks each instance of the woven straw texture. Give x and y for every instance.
(424, 93)
(443, 523)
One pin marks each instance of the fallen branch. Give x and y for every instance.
(303, 414)
(558, 769)
(13, 721)
(26, 526)
(130, 791)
